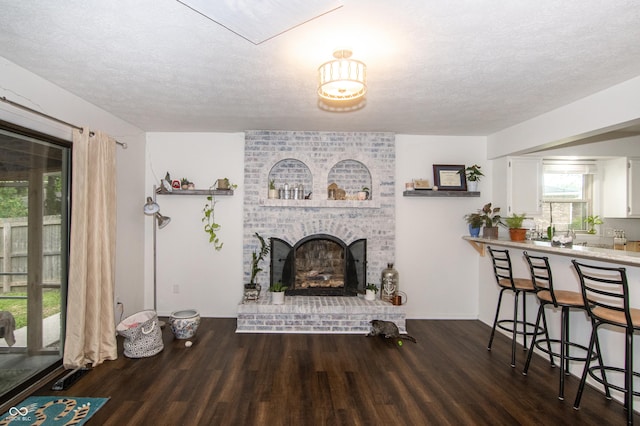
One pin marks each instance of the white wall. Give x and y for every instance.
(24, 87)
(208, 280)
(438, 270)
(607, 109)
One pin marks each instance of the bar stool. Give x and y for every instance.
(606, 292)
(504, 277)
(565, 300)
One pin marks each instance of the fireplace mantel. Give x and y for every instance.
(348, 204)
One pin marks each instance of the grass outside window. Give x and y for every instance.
(18, 307)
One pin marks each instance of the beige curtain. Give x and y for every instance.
(91, 335)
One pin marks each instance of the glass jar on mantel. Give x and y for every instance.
(389, 283)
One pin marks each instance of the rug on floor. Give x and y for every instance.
(52, 411)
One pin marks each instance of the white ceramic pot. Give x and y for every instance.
(369, 295)
(273, 194)
(184, 323)
(277, 297)
(472, 186)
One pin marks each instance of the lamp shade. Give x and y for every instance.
(162, 220)
(342, 78)
(151, 207)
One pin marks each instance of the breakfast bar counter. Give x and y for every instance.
(584, 252)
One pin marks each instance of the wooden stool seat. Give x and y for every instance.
(568, 298)
(524, 284)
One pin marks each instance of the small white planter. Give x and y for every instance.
(370, 295)
(273, 194)
(472, 186)
(277, 297)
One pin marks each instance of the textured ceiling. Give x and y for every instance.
(469, 67)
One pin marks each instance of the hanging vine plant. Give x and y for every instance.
(210, 226)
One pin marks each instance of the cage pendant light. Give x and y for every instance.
(342, 78)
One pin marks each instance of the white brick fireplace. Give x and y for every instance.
(316, 160)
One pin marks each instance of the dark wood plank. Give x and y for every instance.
(447, 378)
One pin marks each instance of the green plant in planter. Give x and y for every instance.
(472, 173)
(272, 184)
(372, 287)
(513, 222)
(475, 220)
(256, 258)
(277, 287)
(592, 221)
(184, 181)
(210, 225)
(490, 215)
(231, 184)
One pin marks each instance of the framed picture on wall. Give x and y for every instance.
(449, 177)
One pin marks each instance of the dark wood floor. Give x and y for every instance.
(447, 378)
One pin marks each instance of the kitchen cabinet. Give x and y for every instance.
(621, 178)
(524, 186)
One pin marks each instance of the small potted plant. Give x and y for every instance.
(273, 192)
(370, 291)
(592, 221)
(514, 223)
(363, 194)
(252, 288)
(225, 184)
(473, 175)
(491, 220)
(277, 293)
(475, 221)
(184, 183)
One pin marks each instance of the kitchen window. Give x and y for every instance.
(567, 194)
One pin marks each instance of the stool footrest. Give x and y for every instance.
(530, 329)
(541, 342)
(606, 368)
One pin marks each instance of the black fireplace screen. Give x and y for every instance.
(320, 265)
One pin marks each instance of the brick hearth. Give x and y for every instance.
(316, 314)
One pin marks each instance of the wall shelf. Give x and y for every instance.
(197, 192)
(429, 193)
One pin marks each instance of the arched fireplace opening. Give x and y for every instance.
(319, 265)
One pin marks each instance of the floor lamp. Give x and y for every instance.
(151, 208)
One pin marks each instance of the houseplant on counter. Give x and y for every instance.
(491, 219)
(252, 288)
(277, 293)
(514, 223)
(592, 221)
(475, 221)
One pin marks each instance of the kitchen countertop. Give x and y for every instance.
(585, 252)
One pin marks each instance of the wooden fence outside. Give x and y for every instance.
(14, 247)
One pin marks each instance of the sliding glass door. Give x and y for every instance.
(34, 206)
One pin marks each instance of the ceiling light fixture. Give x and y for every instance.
(342, 78)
